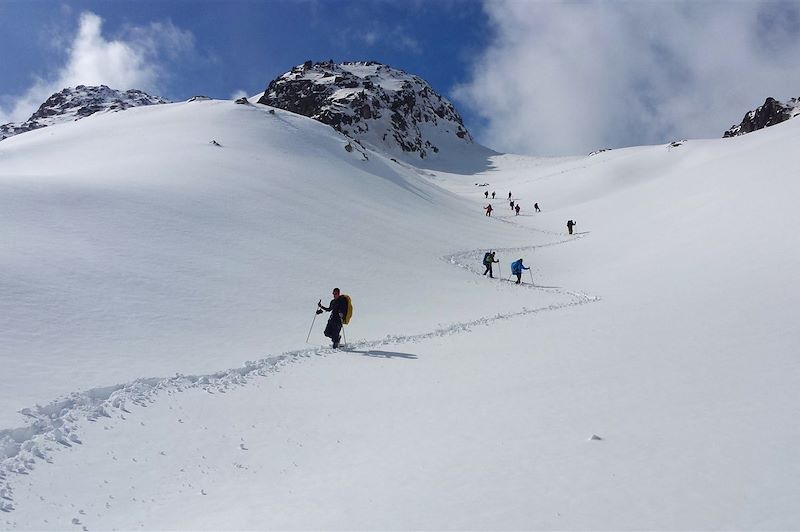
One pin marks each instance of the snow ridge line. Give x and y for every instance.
(57, 424)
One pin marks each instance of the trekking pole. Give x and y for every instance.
(344, 336)
(531, 277)
(312, 324)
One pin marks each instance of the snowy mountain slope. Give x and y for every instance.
(151, 245)
(666, 326)
(74, 103)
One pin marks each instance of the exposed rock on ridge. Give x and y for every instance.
(79, 102)
(771, 113)
(371, 102)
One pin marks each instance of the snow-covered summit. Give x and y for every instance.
(373, 103)
(771, 113)
(74, 103)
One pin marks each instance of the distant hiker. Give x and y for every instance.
(512, 205)
(486, 193)
(536, 206)
(338, 308)
(488, 209)
(516, 208)
(516, 269)
(570, 225)
(493, 194)
(509, 195)
(488, 260)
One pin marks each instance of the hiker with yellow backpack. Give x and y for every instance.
(341, 309)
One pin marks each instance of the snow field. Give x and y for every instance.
(150, 252)
(666, 326)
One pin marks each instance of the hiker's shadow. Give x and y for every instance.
(383, 354)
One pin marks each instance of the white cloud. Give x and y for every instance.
(370, 38)
(404, 41)
(569, 77)
(397, 38)
(239, 94)
(134, 60)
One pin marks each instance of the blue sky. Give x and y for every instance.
(537, 77)
(242, 45)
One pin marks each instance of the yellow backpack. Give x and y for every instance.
(349, 313)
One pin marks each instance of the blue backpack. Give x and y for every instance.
(516, 267)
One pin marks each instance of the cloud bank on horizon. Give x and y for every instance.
(570, 77)
(133, 60)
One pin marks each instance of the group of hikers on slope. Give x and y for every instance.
(516, 208)
(517, 266)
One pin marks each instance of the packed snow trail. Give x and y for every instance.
(58, 423)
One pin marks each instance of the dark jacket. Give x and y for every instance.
(337, 308)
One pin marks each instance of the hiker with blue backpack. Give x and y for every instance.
(516, 269)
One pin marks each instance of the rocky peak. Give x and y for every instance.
(371, 102)
(771, 113)
(79, 102)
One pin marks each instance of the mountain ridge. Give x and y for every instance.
(75, 103)
(371, 102)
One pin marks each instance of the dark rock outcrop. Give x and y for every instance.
(771, 113)
(370, 102)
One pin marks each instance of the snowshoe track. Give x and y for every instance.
(57, 425)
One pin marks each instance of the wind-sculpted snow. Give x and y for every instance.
(58, 424)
